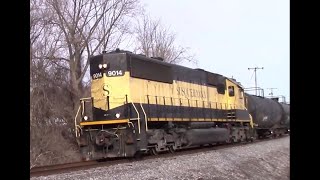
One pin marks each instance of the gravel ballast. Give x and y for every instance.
(267, 160)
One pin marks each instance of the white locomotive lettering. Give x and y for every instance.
(115, 73)
(265, 118)
(97, 75)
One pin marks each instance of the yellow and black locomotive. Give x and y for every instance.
(140, 104)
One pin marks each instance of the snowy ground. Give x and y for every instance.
(267, 160)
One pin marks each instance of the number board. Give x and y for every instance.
(97, 75)
(113, 73)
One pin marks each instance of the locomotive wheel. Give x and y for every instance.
(171, 149)
(252, 139)
(138, 155)
(274, 136)
(153, 151)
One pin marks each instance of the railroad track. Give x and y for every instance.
(62, 168)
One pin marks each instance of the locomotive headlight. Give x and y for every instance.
(105, 66)
(85, 118)
(118, 115)
(100, 66)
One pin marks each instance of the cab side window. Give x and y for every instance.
(231, 90)
(221, 88)
(240, 94)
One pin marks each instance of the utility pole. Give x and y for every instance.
(271, 89)
(255, 75)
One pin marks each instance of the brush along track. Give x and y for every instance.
(62, 168)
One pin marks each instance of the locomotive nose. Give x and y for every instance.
(106, 89)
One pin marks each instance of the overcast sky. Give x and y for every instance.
(230, 36)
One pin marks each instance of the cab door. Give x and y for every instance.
(231, 95)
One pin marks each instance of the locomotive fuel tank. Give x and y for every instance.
(201, 125)
(206, 136)
(265, 112)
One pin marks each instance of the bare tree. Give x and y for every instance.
(154, 40)
(48, 109)
(80, 29)
(63, 36)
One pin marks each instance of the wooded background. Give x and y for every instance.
(64, 34)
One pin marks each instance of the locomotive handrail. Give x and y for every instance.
(83, 100)
(213, 105)
(251, 119)
(83, 107)
(138, 116)
(88, 98)
(75, 122)
(259, 89)
(145, 115)
(217, 104)
(131, 124)
(77, 127)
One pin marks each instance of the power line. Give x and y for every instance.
(255, 76)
